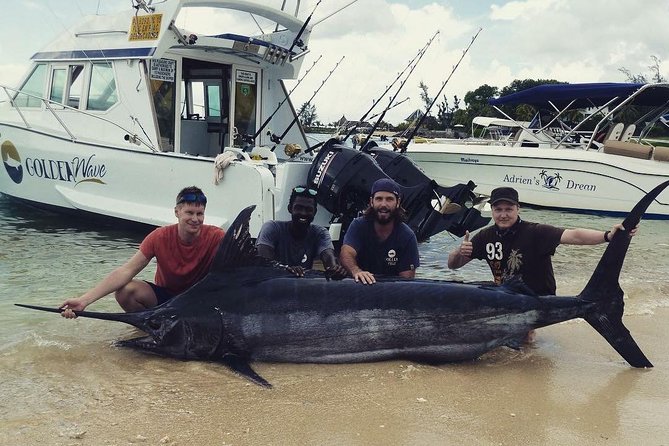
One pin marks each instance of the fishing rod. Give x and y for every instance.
(383, 113)
(277, 139)
(391, 107)
(297, 40)
(374, 103)
(315, 146)
(299, 81)
(422, 118)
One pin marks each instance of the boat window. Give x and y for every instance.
(164, 95)
(102, 91)
(34, 85)
(58, 80)
(214, 100)
(76, 85)
(195, 104)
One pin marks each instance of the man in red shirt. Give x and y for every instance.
(184, 252)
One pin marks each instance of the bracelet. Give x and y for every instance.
(606, 236)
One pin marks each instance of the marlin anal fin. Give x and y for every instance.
(242, 367)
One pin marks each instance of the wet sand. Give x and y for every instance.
(569, 387)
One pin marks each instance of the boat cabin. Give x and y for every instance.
(207, 92)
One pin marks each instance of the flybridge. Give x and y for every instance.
(152, 29)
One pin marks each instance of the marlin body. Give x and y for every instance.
(248, 309)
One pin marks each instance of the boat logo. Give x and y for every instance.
(323, 167)
(551, 181)
(12, 161)
(77, 170)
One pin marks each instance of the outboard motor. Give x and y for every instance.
(344, 176)
(406, 173)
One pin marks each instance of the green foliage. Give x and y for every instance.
(307, 114)
(424, 96)
(655, 74)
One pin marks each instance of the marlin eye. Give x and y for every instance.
(154, 324)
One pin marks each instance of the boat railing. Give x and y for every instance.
(49, 105)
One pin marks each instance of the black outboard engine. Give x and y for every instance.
(344, 176)
(407, 174)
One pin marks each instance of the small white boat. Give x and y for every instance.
(598, 163)
(122, 111)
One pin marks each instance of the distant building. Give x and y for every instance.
(415, 116)
(362, 126)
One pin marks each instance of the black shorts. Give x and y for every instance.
(162, 295)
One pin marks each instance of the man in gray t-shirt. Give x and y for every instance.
(296, 243)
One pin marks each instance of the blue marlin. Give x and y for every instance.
(248, 309)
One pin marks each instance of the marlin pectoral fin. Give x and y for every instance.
(242, 367)
(516, 343)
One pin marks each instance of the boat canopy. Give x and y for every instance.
(586, 95)
(486, 121)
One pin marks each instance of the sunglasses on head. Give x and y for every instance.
(192, 198)
(302, 190)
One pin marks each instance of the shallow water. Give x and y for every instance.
(63, 382)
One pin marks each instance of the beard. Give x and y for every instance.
(385, 218)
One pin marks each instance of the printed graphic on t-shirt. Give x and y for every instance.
(514, 263)
(304, 258)
(494, 250)
(391, 258)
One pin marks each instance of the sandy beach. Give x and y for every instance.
(65, 383)
(569, 387)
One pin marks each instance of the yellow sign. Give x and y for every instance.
(145, 27)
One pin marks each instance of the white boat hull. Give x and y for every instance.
(135, 185)
(575, 180)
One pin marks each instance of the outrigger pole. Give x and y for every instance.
(416, 59)
(336, 12)
(297, 40)
(422, 118)
(390, 103)
(264, 124)
(277, 139)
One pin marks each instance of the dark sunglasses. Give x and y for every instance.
(192, 198)
(301, 190)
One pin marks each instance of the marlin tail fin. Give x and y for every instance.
(603, 288)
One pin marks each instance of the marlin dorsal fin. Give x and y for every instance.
(237, 247)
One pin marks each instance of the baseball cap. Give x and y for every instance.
(504, 194)
(386, 185)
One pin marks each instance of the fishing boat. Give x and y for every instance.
(120, 112)
(589, 148)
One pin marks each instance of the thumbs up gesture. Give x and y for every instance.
(466, 248)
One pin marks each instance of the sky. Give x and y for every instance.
(568, 40)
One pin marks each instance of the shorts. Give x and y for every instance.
(162, 294)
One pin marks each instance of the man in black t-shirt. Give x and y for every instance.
(380, 242)
(513, 247)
